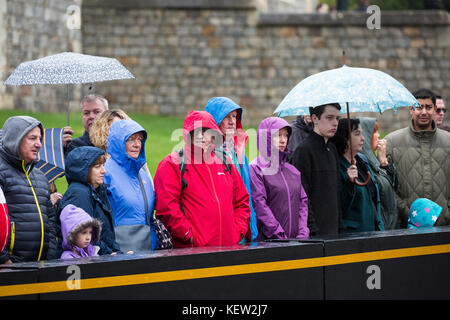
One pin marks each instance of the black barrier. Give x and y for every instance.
(398, 264)
(262, 271)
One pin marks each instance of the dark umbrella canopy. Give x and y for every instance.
(51, 155)
(50, 159)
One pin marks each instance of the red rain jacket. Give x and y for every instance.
(4, 222)
(215, 202)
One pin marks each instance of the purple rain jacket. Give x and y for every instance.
(280, 203)
(73, 220)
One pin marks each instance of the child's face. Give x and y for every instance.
(84, 238)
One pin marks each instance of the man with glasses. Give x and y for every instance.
(441, 110)
(421, 154)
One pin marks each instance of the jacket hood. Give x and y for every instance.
(300, 123)
(198, 119)
(79, 161)
(367, 126)
(423, 213)
(266, 129)
(14, 129)
(73, 220)
(119, 132)
(219, 107)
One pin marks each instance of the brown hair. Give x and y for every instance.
(100, 160)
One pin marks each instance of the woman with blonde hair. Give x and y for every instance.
(100, 128)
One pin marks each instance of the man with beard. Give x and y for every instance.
(421, 154)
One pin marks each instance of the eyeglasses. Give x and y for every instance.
(439, 110)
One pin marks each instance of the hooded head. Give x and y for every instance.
(79, 161)
(220, 107)
(198, 120)
(119, 132)
(266, 131)
(14, 130)
(367, 127)
(423, 213)
(74, 220)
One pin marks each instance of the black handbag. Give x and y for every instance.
(164, 237)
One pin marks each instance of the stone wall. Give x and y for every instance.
(183, 55)
(184, 52)
(31, 30)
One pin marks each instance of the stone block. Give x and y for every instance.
(287, 32)
(417, 43)
(208, 30)
(318, 42)
(411, 31)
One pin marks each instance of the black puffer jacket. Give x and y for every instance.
(32, 234)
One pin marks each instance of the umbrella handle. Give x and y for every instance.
(355, 181)
(362, 184)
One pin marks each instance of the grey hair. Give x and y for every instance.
(92, 97)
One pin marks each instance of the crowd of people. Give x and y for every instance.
(320, 175)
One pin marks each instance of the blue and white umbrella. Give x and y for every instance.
(362, 89)
(355, 89)
(68, 68)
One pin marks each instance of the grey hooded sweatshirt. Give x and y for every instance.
(31, 214)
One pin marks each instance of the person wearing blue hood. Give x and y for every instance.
(130, 187)
(84, 173)
(228, 115)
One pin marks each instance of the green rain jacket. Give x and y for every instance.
(385, 176)
(422, 159)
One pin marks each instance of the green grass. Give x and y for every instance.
(159, 130)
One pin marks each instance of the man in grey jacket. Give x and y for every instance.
(26, 189)
(421, 154)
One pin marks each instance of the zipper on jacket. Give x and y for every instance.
(39, 210)
(13, 237)
(289, 200)
(218, 205)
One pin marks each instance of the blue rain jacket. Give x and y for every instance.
(82, 194)
(122, 177)
(219, 108)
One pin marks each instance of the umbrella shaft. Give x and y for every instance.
(349, 135)
(68, 106)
